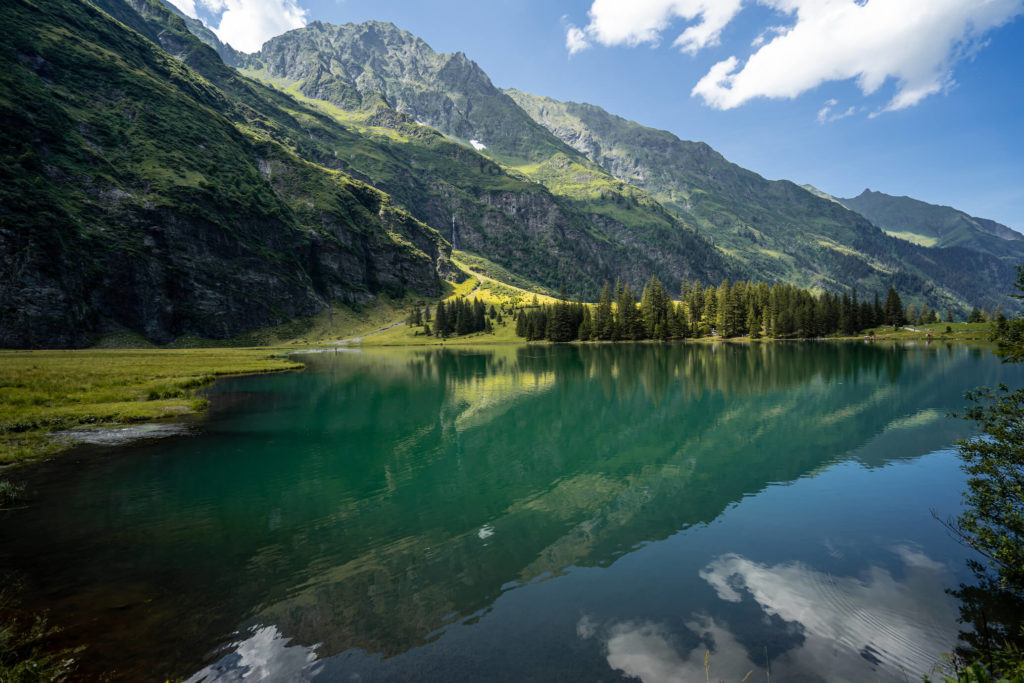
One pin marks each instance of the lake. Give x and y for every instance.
(523, 513)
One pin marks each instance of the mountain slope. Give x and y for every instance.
(933, 225)
(374, 74)
(136, 194)
(776, 229)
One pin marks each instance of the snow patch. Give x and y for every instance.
(477, 145)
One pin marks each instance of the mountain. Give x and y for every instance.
(819, 193)
(939, 226)
(577, 225)
(776, 230)
(153, 179)
(138, 194)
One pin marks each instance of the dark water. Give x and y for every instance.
(524, 513)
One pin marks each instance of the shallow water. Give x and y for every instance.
(523, 513)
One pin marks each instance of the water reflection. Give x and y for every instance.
(875, 616)
(835, 628)
(380, 504)
(265, 655)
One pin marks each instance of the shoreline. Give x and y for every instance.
(142, 391)
(49, 398)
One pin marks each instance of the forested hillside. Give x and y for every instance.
(139, 194)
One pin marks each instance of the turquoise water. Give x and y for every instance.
(524, 513)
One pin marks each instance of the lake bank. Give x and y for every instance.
(42, 392)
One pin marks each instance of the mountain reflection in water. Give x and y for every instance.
(527, 512)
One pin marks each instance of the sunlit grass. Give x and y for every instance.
(44, 391)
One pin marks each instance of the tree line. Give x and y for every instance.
(456, 317)
(733, 309)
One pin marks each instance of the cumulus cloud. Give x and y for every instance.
(915, 44)
(246, 24)
(633, 22)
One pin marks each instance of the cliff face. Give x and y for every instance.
(356, 65)
(521, 197)
(134, 193)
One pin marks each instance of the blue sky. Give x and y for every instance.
(941, 120)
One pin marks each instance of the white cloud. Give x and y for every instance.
(477, 145)
(763, 35)
(575, 40)
(247, 24)
(916, 43)
(632, 22)
(826, 115)
(186, 6)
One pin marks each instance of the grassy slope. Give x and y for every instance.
(44, 391)
(941, 226)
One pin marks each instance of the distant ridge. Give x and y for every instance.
(935, 225)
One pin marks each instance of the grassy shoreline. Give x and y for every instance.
(46, 391)
(42, 392)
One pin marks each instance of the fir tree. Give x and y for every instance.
(893, 309)
(604, 321)
(442, 319)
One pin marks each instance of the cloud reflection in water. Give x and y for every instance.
(853, 628)
(264, 656)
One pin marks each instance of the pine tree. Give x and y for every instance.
(893, 309)
(441, 319)
(847, 321)
(723, 321)
(604, 322)
(753, 322)
(586, 327)
(709, 314)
